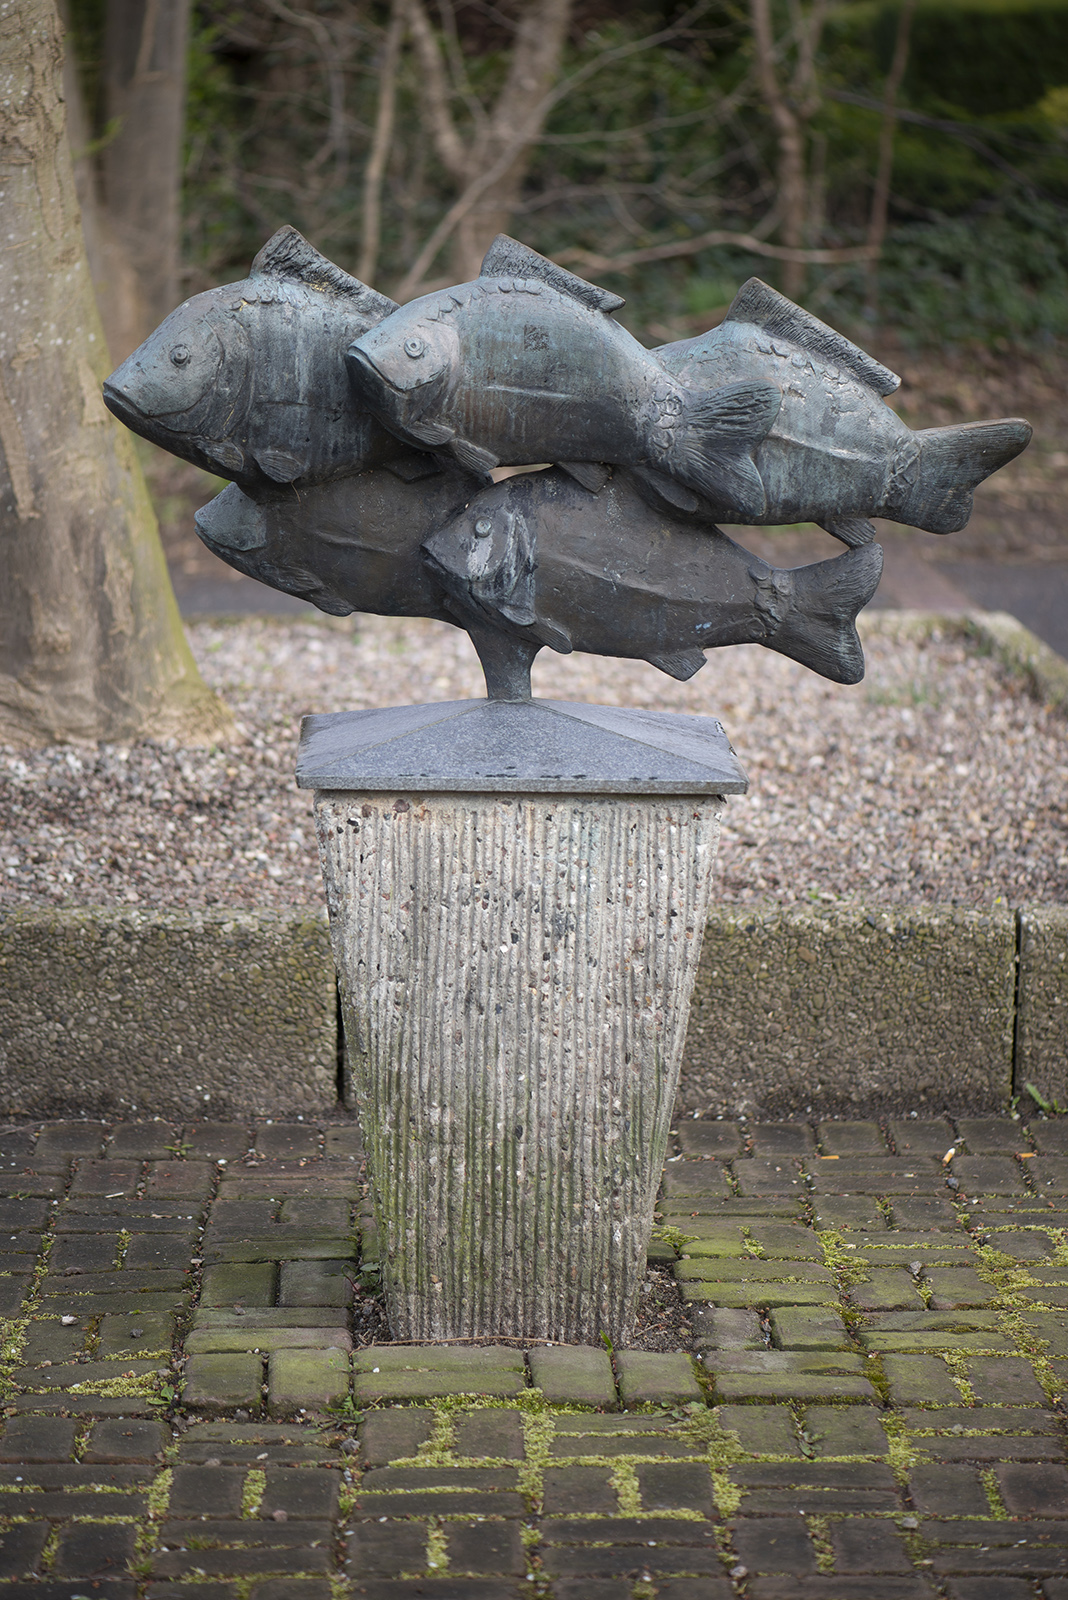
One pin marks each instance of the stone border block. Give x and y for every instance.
(204, 1013)
(852, 1009)
(307, 1379)
(576, 1375)
(220, 1382)
(1042, 1004)
(650, 1378)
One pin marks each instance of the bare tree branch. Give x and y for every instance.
(956, 130)
(880, 197)
(380, 145)
(337, 142)
(434, 97)
(591, 262)
(525, 134)
(454, 55)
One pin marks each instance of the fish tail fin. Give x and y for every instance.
(952, 463)
(818, 627)
(851, 530)
(714, 443)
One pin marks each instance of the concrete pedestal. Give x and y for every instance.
(517, 894)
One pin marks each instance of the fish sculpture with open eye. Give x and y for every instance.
(247, 381)
(525, 365)
(771, 418)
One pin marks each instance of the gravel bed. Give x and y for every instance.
(937, 779)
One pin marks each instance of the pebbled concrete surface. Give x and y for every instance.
(865, 1401)
(848, 1008)
(211, 1011)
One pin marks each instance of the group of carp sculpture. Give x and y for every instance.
(361, 440)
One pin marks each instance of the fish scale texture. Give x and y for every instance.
(219, 1424)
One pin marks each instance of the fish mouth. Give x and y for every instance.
(181, 442)
(121, 406)
(366, 375)
(370, 378)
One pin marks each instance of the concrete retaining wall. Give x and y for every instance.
(844, 1008)
(188, 1013)
(1042, 1015)
(839, 1008)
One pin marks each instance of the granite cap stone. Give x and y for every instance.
(518, 747)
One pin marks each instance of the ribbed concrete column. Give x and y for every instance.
(516, 971)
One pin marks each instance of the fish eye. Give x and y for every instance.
(414, 347)
(180, 355)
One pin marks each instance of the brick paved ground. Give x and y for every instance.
(875, 1414)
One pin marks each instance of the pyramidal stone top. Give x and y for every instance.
(518, 747)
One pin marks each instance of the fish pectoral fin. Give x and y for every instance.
(681, 664)
(741, 412)
(281, 465)
(554, 634)
(664, 493)
(729, 480)
(430, 433)
(413, 465)
(592, 475)
(853, 531)
(507, 258)
(473, 458)
(228, 455)
(232, 521)
(521, 615)
(713, 445)
(758, 303)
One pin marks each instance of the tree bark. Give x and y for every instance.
(790, 108)
(145, 45)
(91, 644)
(115, 282)
(539, 43)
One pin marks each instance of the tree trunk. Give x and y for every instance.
(144, 65)
(791, 109)
(381, 141)
(91, 645)
(502, 140)
(880, 198)
(539, 43)
(115, 282)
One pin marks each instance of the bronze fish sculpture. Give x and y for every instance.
(836, 453)
(773, 417)
(248, 380)
(526, 365)
(538, 561)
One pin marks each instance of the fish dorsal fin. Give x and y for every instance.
(288, 257)
(758, 303)
(507, 258)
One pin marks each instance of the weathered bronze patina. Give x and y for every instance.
(361, 439)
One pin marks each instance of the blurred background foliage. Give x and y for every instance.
(667, 134)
